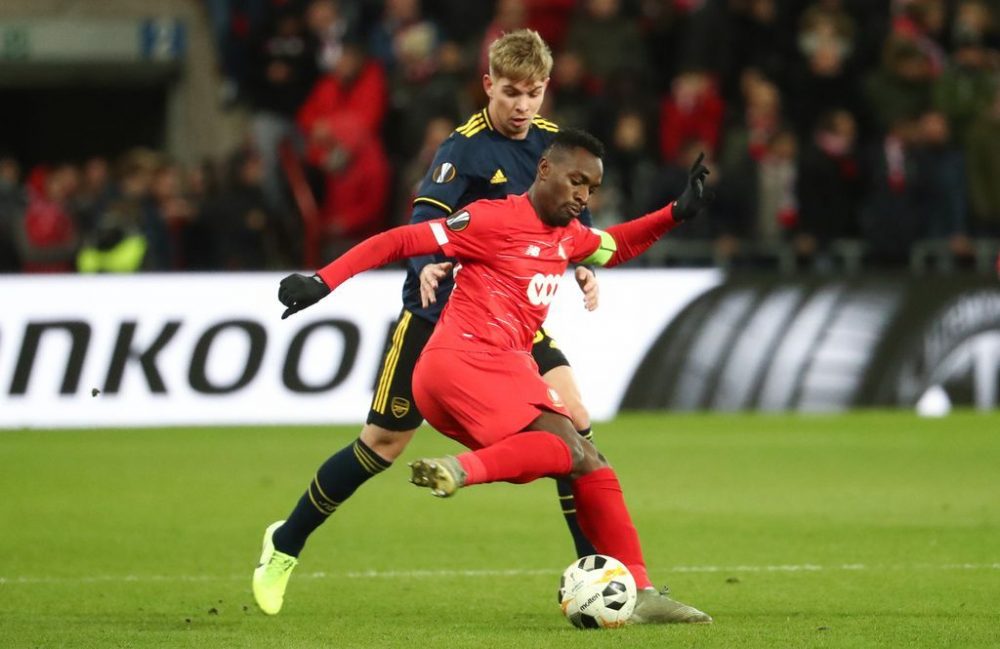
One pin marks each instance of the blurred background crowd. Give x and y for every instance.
(840, 133)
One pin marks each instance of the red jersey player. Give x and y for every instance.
(476, 380)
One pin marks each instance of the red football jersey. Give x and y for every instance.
(509, 267)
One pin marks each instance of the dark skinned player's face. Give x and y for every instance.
(566, 181)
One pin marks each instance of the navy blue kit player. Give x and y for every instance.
(493, 154)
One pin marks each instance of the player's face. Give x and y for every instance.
(566, 181)
(513, 104)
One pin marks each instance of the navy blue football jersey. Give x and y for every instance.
(474, 163)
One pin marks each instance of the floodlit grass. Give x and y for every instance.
(866, 530)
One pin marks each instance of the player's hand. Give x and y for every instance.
(588, 284)
(694, 199)
(430, 276)
(298, 291)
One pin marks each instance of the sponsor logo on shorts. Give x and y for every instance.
(399, 407)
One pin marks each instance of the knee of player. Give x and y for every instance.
(579, 414)
(588, 461)
(577, 451)
(388, 444)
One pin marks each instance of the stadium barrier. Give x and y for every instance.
(79, 351)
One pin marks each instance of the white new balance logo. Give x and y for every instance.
(533, 251)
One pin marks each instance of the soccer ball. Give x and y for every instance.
(597, 592)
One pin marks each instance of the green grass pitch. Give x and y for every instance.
(863, 530)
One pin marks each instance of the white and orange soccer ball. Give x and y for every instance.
(597, 592)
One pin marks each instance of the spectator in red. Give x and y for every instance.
(342, 122)
(357, 181)
(355, 88)
(691, 111)
(49, 235)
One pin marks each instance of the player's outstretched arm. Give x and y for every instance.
(297, 291)
(624, 241)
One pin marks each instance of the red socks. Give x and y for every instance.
(600, 505)
(519, 458)
(601, 512)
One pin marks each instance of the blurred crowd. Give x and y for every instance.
(875, 123)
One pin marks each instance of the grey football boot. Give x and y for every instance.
(655, 607)
(442, 475)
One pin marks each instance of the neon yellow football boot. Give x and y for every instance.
(271, 576)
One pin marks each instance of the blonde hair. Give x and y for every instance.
(521, 55)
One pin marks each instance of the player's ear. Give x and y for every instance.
(543, 167)
(488, 85)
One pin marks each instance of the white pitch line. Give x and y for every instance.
(424, 574)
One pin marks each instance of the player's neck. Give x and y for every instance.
(531, 200)
(500, 127)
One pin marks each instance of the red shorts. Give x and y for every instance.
(480, 398)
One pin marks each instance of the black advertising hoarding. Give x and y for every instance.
(779, 344)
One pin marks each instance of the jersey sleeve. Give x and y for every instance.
(379, 250)
(471, 233)
(446, 181)
(591, 246)
(622, 241)
(440, 191)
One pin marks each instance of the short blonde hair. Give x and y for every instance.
(521, 55)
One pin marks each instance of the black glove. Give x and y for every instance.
(694, 199)
(298, 291)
